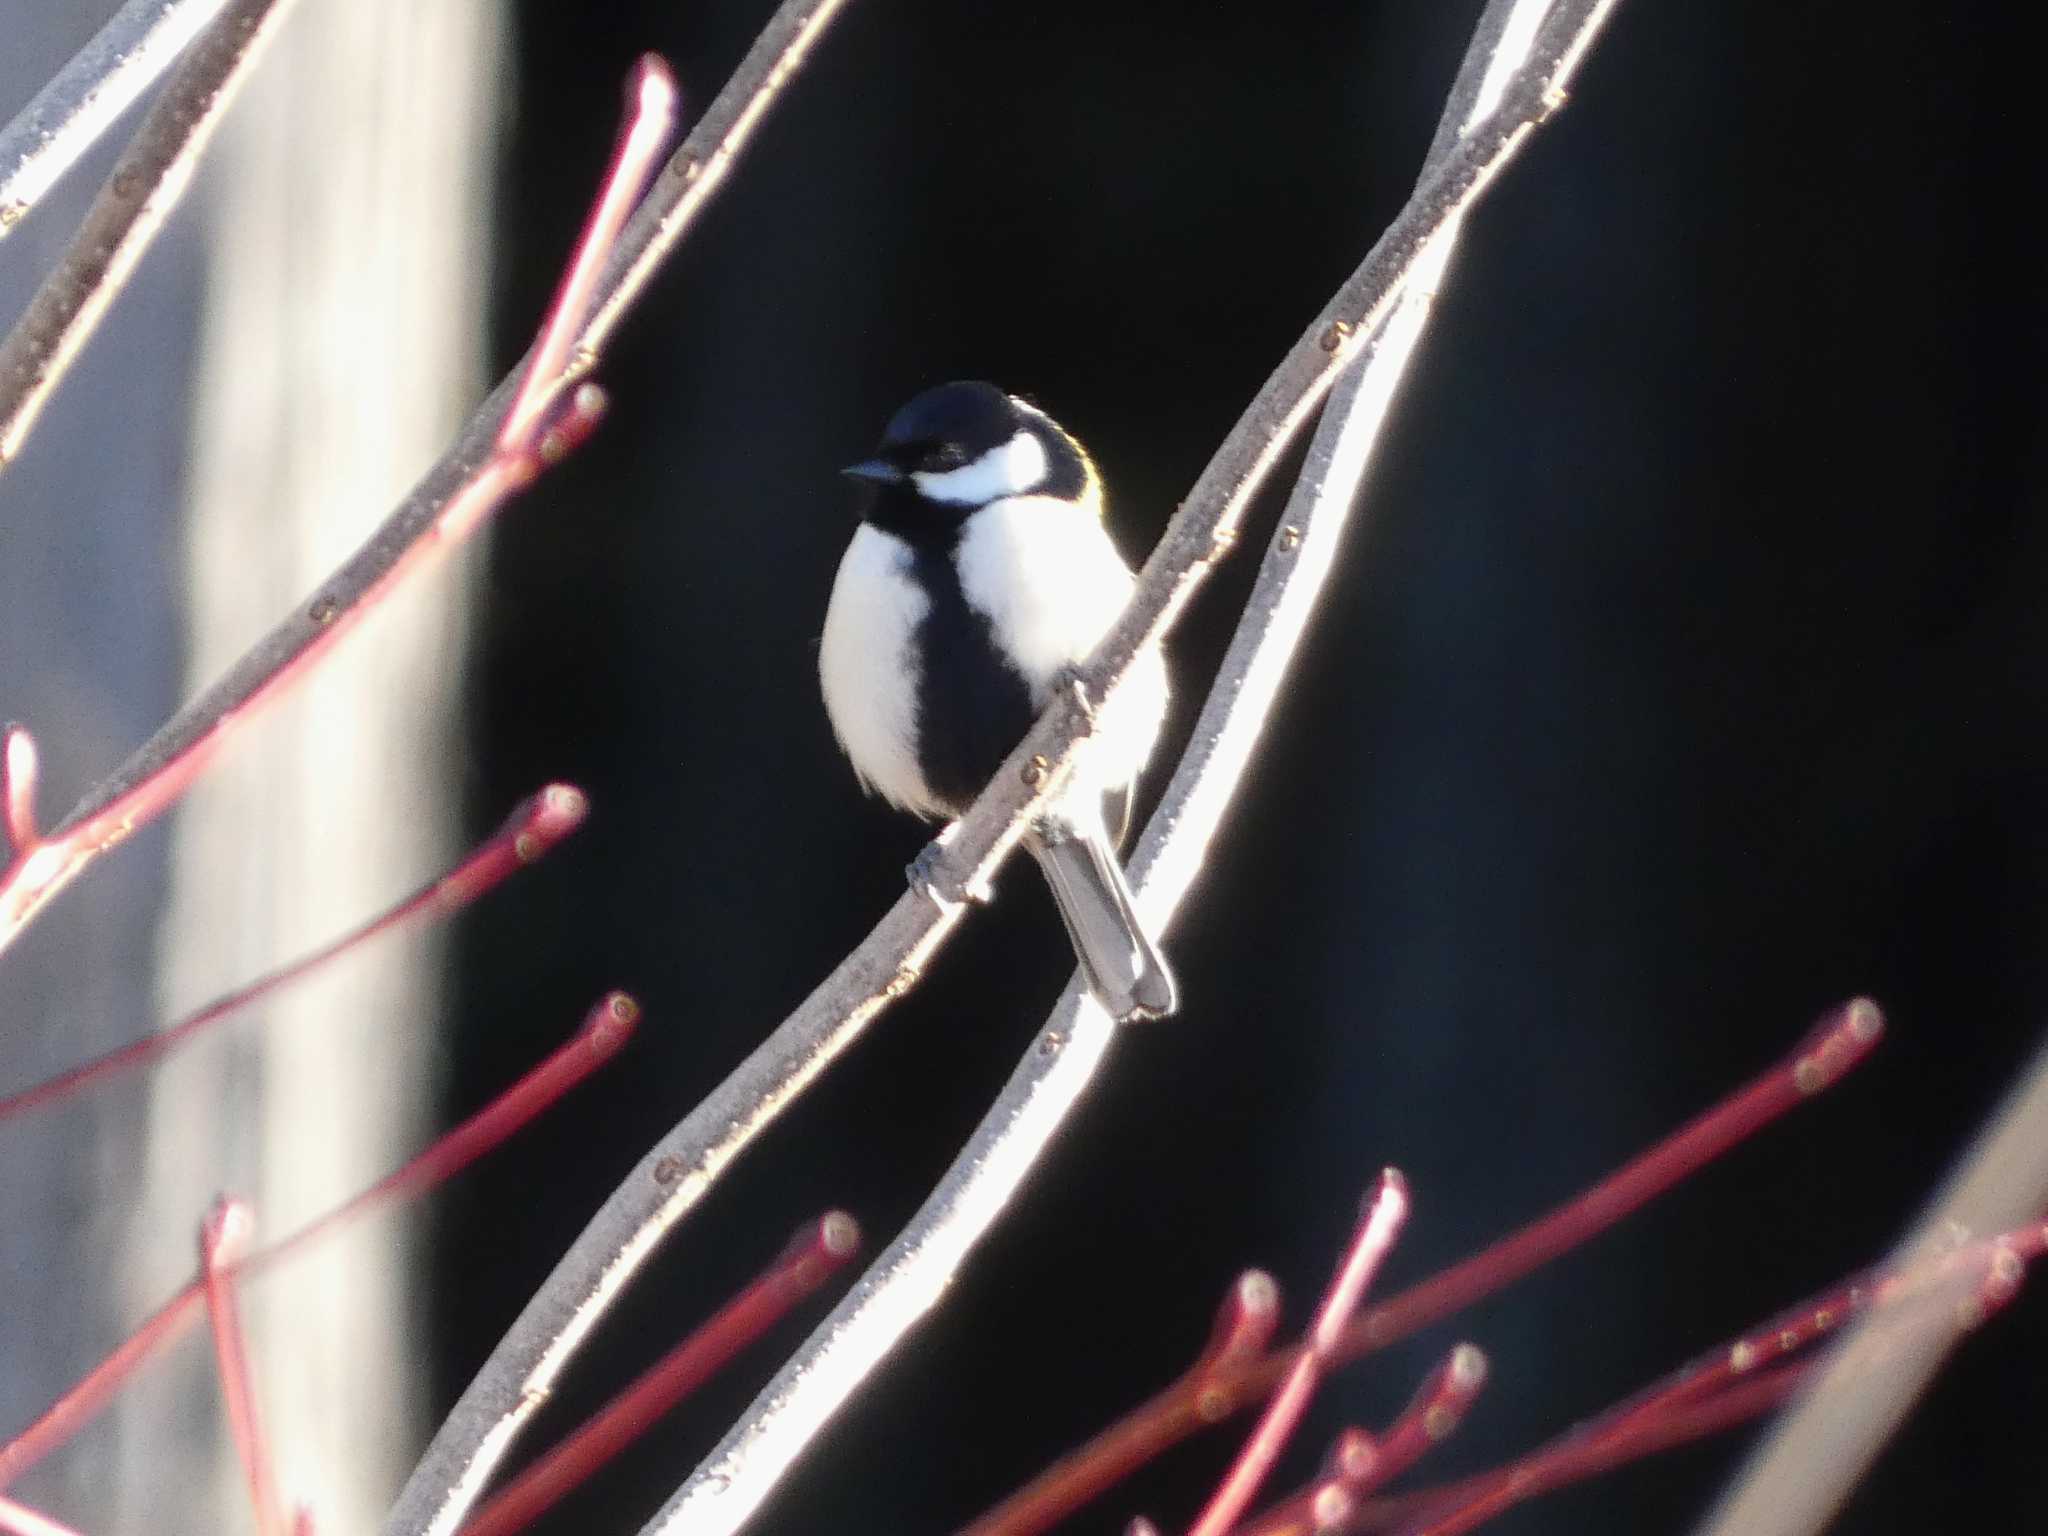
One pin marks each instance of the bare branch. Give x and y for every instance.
(820, 1249)
(148, 180)
(70, 113)
(1806, 1469)
(1379, 312)
(471, 480)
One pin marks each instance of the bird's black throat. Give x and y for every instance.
(973, 706)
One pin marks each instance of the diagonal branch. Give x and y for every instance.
(1377, 318)
(147, 183)
(70, 113)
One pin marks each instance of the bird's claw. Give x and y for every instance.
(930, 874)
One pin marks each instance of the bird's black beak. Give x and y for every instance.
(875, 471)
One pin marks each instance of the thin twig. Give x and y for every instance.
(1838, 1043)
(604, 1031)
(1385, 1213)
(819, 1250)
(539, 823)
(1379, 313)
(148, 180)
(1737, 1382)
(652, 92)
(224, 1239)
(82, 102)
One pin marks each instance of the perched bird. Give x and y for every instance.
(979, 577)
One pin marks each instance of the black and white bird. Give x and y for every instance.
(979, 576)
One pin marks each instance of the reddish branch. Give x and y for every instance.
(528, 835)
(818, 1250)
(605, 1029)
(434, 522)
(1360, 1464)
(1385, 1212)
(651, 110)
(1734, 1384)
(1839, 1042)
(223, 1247)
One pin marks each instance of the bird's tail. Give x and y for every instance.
(1123, 967)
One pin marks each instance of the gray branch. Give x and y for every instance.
(69, 114)
(1511, 61)
(148, 180)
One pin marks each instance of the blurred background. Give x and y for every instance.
(1681, 679)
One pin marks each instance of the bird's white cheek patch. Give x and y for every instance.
(1009, 469)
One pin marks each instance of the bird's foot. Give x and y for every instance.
(1068, 680)
(931, 874)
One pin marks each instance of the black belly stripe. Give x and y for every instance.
(973, 707)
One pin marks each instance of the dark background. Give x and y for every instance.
(1681, 680)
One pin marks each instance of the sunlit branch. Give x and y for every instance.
(146, 184)
(1378, 313)
(819, 1250)
(68, 115)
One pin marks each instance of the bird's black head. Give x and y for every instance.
(958, 447)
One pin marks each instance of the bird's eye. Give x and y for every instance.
(945, 456)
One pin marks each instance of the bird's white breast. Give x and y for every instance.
(1047, 576)
(867, 670)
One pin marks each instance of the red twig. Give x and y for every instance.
(531, 436)
(818, 1250)
(1839, 1042)
(20, 1520)
(223, 1246)
(18, 789)
(651, 110)
(539, 823)
(1467, 1504)
(605, 1029)
(1435, 1411)
(1381, 1223)
(1733, 1384)
(1360, 1464)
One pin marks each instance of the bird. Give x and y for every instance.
(978, 580)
